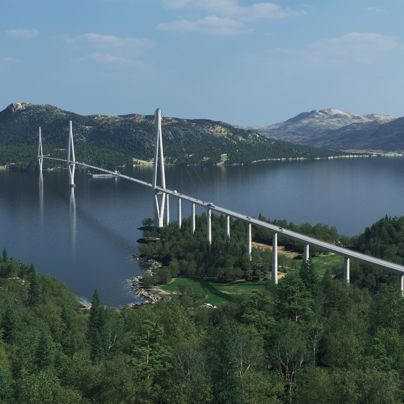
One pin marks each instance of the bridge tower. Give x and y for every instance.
(160, 198)
(40, 179)
(40, 150)
(71, 156)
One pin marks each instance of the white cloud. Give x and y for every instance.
(11, 60)
(110, 49)
(361, 48)
(212, 6)
(232, 8)
(375, 10)
(226, 17)
(263, 11)
(105, 58)
(22, 33)
(211, 25)
(369, 38)
(110, 41)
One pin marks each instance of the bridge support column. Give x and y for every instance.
(249, 240)
(158, 165)
(193, 218)
(179, 212)
(307, 252)
(347, 269)
(209, 226)
(71, 157)
(40, 151)
(227, 232)
(401, 284)
(168, 209)
(275, 258)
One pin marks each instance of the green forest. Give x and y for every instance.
(24, 157)
(311, 338)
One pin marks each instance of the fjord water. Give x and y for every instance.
(87, 239)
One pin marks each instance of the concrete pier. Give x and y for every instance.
(210, 226)
(227, 232)
(249, 240)
(193, 218)
(179, 213)
(347, 269)
(275, 258)
(307, 252)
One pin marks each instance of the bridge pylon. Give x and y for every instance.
(40, 150)
(71, 156)
(160, 198)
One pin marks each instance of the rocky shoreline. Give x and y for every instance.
(148, 295)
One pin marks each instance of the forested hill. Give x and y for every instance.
(309, 339)
(185, 140)
(384, 239)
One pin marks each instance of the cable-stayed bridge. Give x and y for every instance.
(162, 196)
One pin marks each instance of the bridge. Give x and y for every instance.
(161, 203)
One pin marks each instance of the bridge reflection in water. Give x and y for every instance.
(72, 221)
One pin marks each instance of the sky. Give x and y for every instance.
(247, 62)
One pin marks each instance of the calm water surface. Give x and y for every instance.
(87, 239)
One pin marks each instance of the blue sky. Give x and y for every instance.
(240, 61)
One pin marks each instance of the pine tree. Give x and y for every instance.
(69, 333)
(9, 325)
(309, 277)
(149, 352)
(227, 383)
(5, 255)
(294, 299)
(6, 386)
(43, 352)
(96, 328)
(150, 358)
(34, 289)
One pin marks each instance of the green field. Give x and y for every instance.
(218, 293)
(327, 261)
(320, 262)
(215, 292)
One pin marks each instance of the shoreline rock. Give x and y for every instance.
(149, 295)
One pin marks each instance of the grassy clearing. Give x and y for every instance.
(321, 263)
(324, 262)
(217, 293)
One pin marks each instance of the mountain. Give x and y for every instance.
(372, 136)
(189, 141)
(339, 130)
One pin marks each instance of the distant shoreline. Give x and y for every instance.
(148, 164)
(336, 157)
